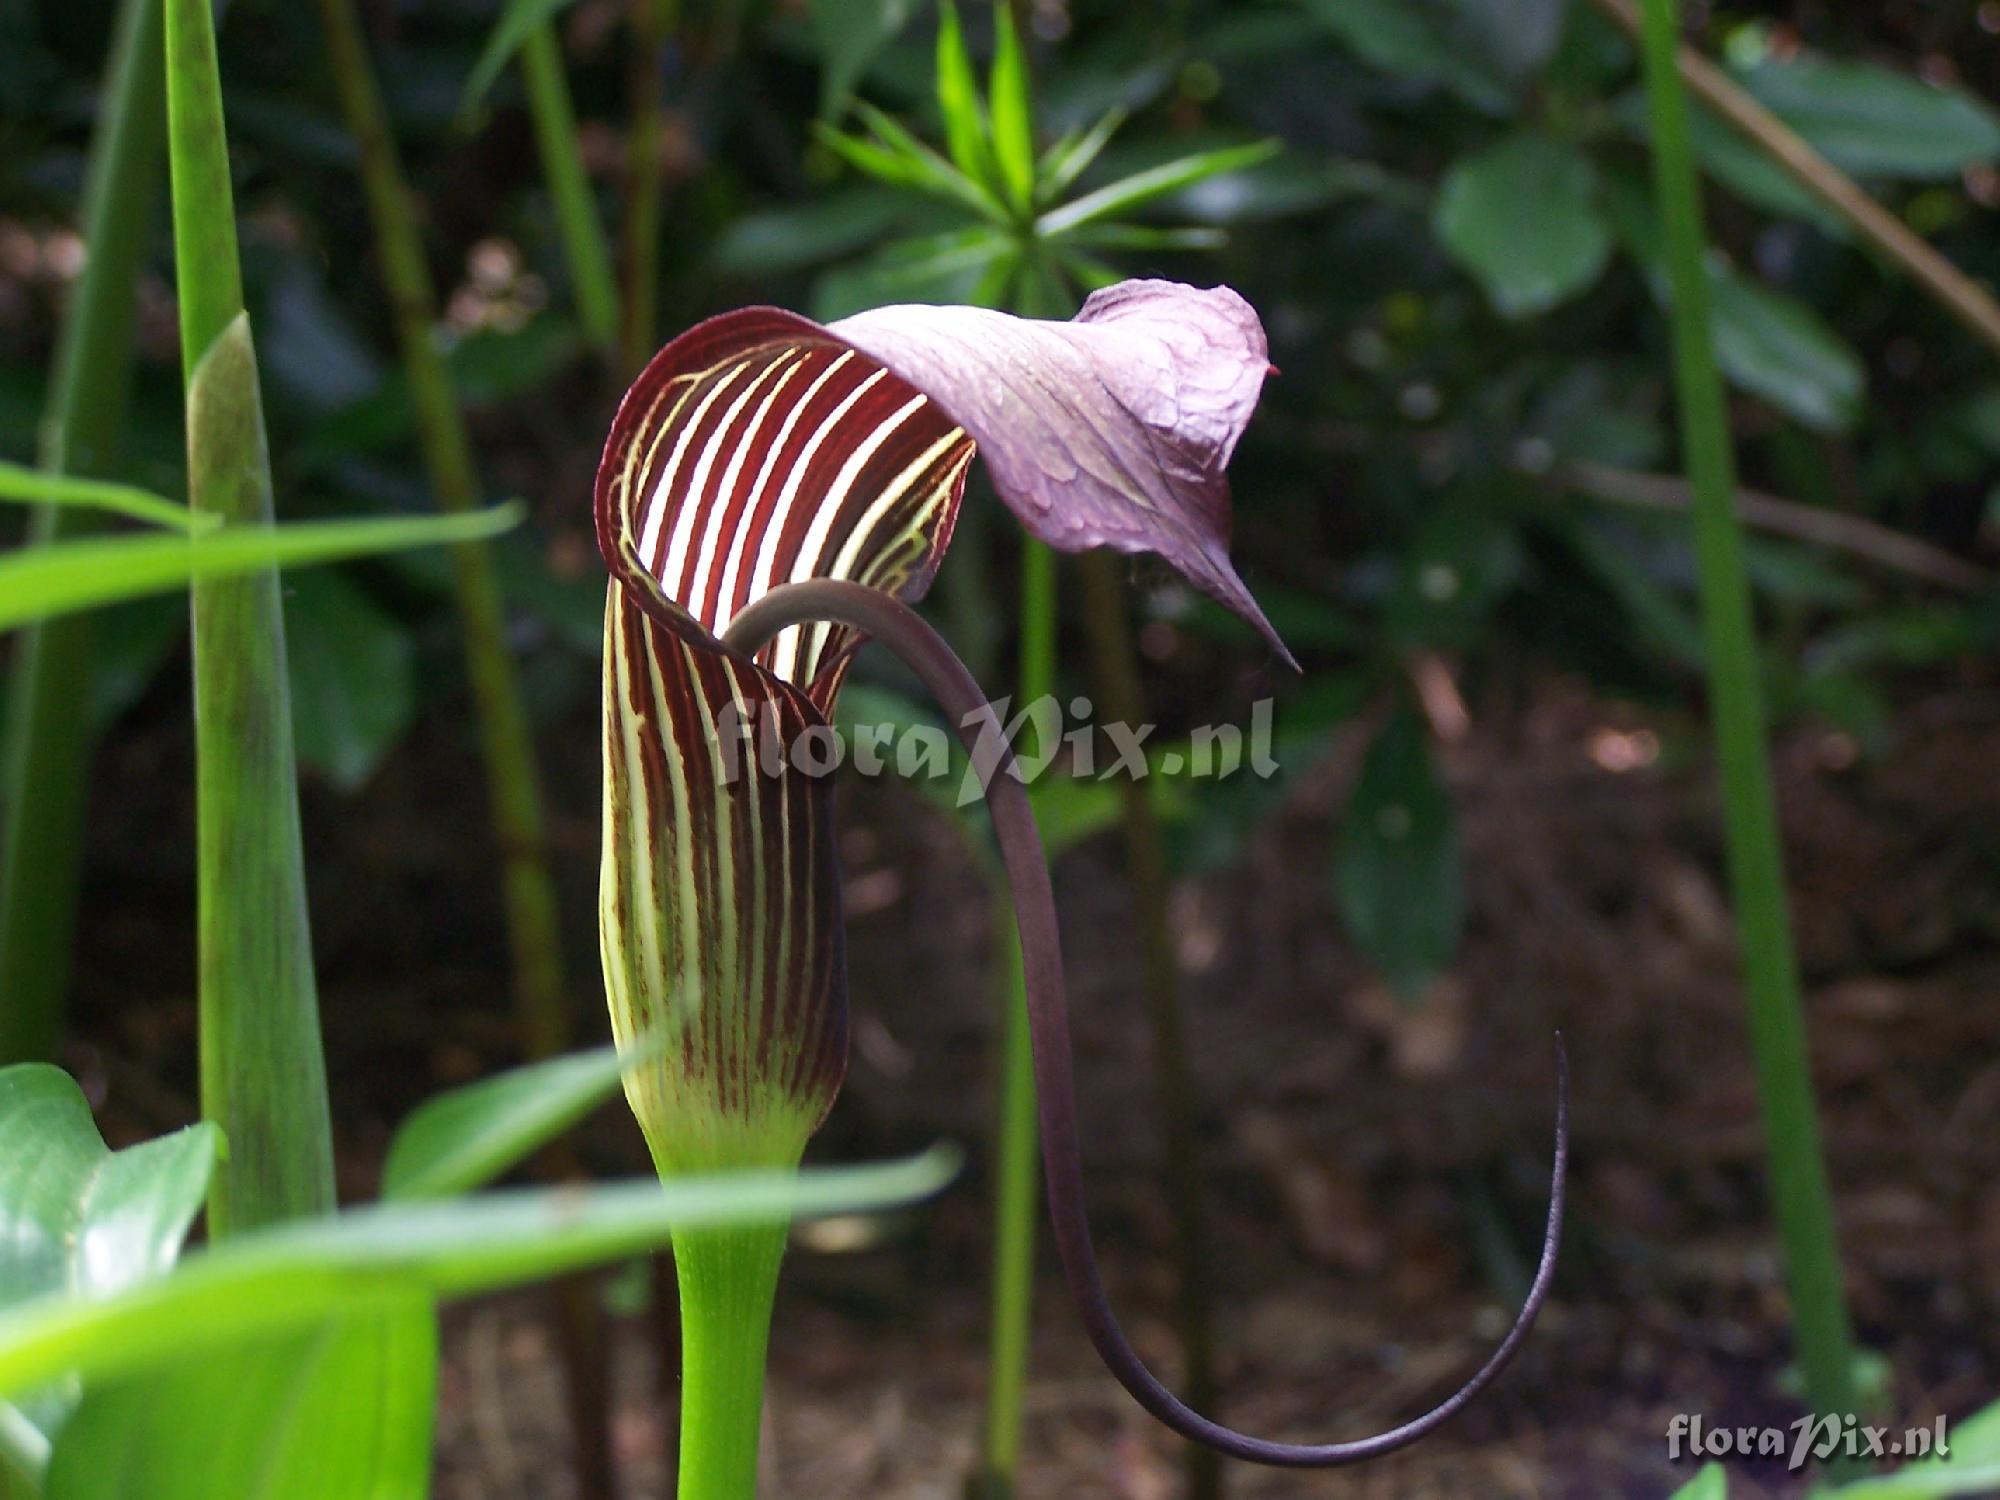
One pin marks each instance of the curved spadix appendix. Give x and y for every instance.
(787, 483)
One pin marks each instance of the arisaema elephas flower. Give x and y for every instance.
(770, 491)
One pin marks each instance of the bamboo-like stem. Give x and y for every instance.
(652, 23)
(1015, 1198)
(1120, 699)
(728, 1279)
(588, 254)
(1957, 293)
(263, 1073)
(46, 752)
(506, 741)
(1777, 1026)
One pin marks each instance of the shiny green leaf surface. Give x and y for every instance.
(340, 1411)
(353, 677)
(27, 486)
(57, 579)
(1521, 217)
(465, 1138)
(1874, 121)
(372, 1259)
(76, 1217)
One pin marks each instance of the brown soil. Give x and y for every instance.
(1376, 1173)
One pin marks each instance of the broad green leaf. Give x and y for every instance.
(353, 677)
(779, 241)
(1398, 871)
(1413, 41)
(371, 1259)
(1874, 122)
(965, 130)
(1146, 237)
(1013, 111)
(1128, 193)
(1971, 1467)
(934, 268)
(341, 1411)
(1295, 184)
(69, 576)
(467, 1137)
(1777, 347)
(851, 33)
(38, 487)
(76, 1217)
(517, 20)
(1765, 342)
(1744, 169)
(1521, 216)
(1710, 1483)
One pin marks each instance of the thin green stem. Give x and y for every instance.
(584, 246)
(728, 1279)
(46, 752)
(1756, 871)
(1017, 1186)
(263, 1073)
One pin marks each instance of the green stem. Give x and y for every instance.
(728, 1278)
(1017, 1185)
(1120, 699)
(1756, 872)
(263, 1073)
(47, 747)
(584, 246)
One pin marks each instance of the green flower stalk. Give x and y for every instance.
(770, 491)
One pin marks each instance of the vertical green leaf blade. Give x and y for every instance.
(965, 130)
(1802, 1200)
(1398, 871)
(207, 277)
(343, 1409)
(44, 757)
(1013, 110)
(263, 1072)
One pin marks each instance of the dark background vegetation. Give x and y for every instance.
(1455, 258)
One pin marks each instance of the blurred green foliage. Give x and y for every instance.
(1454, 251)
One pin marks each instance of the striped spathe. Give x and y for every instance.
(761, 448)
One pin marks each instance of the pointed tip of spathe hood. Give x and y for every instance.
(1114, 429)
